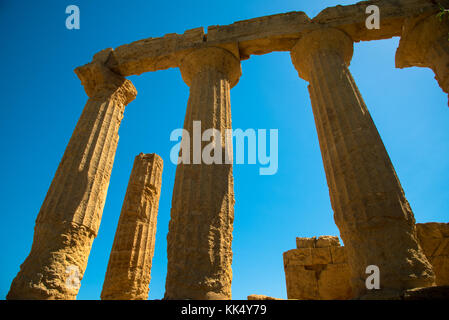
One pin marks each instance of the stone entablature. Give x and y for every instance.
(263, 35)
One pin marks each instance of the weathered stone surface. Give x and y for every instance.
(263, 35)
(338, 255)
(434, 240)
(302, 283)
(321, 256)
(375, 220)
(301, 257)
(129, 270)
(261, 297)
(424, 43)
(70, 215)
(333, 282)
(305, 242)
(200, 231)
(321, 242)
(311, 273)
(351, 19)
(327, 241)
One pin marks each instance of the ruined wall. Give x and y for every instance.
(318, 268)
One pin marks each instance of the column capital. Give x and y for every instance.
(321, 40)
(97, 79)
(211, 58)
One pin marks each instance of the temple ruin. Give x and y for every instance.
(371, 211)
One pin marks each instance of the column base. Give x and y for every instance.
(58, 255)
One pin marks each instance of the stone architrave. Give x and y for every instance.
(70, 216)
(200, 231)
(370, 209)
(129, 270)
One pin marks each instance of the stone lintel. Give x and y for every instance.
(266, 34)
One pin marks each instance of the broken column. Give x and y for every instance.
(200, 231)
(70, 215)
(424, 43)
(129, 269)
(375, 220)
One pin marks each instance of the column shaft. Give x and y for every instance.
(129, 269)
(370, 209)
(200, 231)
(70, 215)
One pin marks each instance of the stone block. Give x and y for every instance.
(302, 284)
(334, 282)
(305, 242)
(299, 257)
(321, 256)
(338, 255)
(327, 241)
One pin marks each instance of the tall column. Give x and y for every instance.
(70, 215)
(200, 230)
(129, 269)
(424, 43)
(370, 209)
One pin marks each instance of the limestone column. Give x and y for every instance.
(129, 269)
(200, 230)
(70, 215)
(424, 43)
(370, 209)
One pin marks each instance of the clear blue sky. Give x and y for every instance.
(42, 99)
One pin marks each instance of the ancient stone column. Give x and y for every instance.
(370, 209)
(129, 269)
(202, 214)
(424, 43)
(70, 215)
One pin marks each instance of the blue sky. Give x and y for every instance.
(42, 100)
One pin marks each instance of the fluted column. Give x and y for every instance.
(424, 43)
(370, 209)
(129, 269)
(70, 215)
(200, 230)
